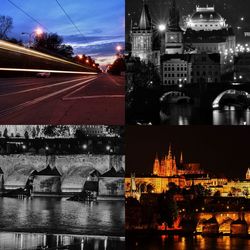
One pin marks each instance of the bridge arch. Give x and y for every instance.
(175, 97)
(230, 94)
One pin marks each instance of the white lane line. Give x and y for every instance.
(69, 97)
(114, 81)
(93, 97)
(44, 87)
(40, 99)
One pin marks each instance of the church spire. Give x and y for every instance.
(174, 18)
(145, 19)
(170, 151)
(181, 158)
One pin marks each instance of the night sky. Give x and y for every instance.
(232, 10)
(102, 22)
(220, 150)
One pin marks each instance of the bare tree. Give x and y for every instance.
(6, 24)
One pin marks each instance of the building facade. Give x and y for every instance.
(206, 32)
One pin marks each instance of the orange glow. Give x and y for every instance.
(87, 61)
(79, 56)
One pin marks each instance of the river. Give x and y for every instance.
(187, 243)
(37, 218)
(186, 114)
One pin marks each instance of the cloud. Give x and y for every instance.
(101, 48)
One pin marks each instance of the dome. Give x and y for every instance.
(206, 18)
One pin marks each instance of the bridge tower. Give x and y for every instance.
(142, 36)
(174, 34)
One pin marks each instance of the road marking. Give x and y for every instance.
(93, 97)
(114, 81)
(69, 97)
(43, 87)
(21, 106)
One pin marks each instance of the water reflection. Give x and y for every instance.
(28, 241)
(187, 114)
(53, 215)
(186, 243)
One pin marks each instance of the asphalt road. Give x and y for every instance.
(90, 99)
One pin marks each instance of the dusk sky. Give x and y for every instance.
(223, 150)
(101, 22)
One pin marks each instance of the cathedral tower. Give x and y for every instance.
(248, 174)
(142, 36)
(156, 167)
(174, 34)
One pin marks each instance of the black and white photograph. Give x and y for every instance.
(62, 187)
(188, 62)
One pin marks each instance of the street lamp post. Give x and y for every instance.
(36, 32)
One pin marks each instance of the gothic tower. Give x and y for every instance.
(170, 163)
(174, 34)
(156, 167)
(142, 36)
(248, 174)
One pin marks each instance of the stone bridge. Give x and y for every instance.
(206, 94)
(18, 168)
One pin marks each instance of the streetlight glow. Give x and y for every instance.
(118, 48)
(39, 31)
(162, 27)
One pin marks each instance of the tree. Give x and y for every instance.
(150, 188)
(49, 130)
(168, 209)
(26, 135)
(33, 132)
(5, 133)
(217, 194)
(52, 42)
(6, 24)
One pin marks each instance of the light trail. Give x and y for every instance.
(45, 87)
(48, 71)
(19, 107)
(19, 49)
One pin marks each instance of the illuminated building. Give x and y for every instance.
(206, 18)
(180, 59)
(142, 36)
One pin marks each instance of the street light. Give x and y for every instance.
(84, 146)
(36, 32)
(162, 27)
(119, 48)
